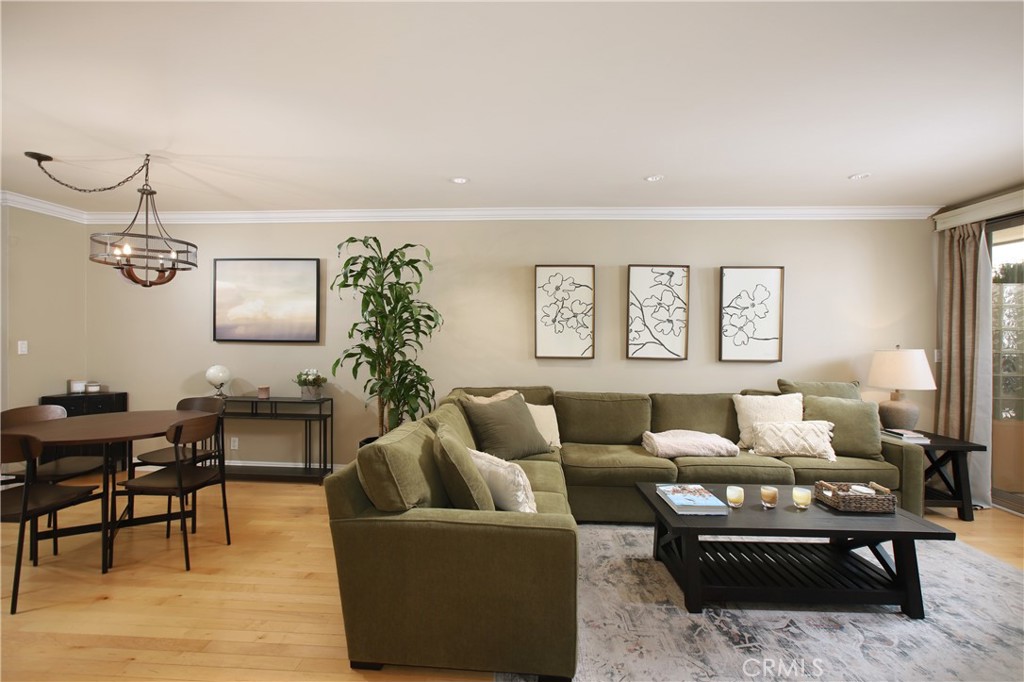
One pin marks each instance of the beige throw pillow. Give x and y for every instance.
(794, 439)
(751, 409)
(483, 400)
(547, 423)
(507, 482)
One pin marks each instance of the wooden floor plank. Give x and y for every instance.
(264, 608)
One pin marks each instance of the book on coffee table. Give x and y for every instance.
(688, 498)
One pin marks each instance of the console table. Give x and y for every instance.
(943, 450)
(317, 417)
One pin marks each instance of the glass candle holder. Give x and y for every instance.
(769, 496)
(734, 496)
(801, 497)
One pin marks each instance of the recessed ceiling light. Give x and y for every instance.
(654, 178)
(858, 176)
(459, 180)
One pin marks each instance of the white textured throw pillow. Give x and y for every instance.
(794, 439)
(751, 409)
(547, 423)
(507, 482)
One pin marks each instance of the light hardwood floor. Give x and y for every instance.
(265, 608)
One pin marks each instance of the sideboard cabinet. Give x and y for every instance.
(87, 403)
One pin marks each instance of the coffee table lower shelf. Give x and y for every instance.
(791, 572)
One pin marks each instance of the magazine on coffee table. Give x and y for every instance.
(687, 498)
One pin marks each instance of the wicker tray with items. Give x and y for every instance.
(856, 497)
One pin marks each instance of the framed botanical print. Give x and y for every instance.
(751, 314)
(657, 312)
(564, 311)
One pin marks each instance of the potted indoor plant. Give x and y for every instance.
(392, 327)
(311, 383)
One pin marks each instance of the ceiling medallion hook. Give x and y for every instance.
(150, 257)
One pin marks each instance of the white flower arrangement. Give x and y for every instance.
(310, 377)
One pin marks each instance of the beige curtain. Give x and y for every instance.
(965, 379)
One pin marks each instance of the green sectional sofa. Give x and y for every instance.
(426, 583)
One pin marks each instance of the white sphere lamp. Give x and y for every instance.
(218, 375)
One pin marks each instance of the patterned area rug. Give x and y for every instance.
(634, 624)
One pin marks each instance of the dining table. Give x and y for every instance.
(105, 430)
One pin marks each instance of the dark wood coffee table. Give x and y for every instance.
(719, 558)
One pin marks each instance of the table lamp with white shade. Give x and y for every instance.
(900, 370)
(217, 376)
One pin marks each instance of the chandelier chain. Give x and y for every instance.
(89, 190)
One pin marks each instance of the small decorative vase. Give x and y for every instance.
(311, 392)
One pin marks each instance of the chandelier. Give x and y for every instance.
(148, 257)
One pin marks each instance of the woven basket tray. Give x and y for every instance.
(882, 502)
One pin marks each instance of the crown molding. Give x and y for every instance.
(683, 213)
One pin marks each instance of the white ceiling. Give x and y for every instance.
(322, 106)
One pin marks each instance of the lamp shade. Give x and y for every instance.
(901, 370)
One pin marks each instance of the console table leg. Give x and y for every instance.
(908, 579)
(962, 481)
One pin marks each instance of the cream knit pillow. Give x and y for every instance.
(751, 409)
(794, 439)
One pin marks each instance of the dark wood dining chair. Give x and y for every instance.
(25, 503)
(186, 477)
(59, 470)
(203, 452)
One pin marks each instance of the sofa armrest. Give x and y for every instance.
(910, 460)
(452, 588)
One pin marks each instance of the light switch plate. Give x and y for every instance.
(22, 347)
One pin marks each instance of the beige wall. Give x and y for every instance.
(851, 287)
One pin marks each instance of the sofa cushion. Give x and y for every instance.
(613, 465)
(824, 389)
(707, 412)
(535, 395)
(452, 415)
(857, 431)
(604, 418)
(744, 468)
(509, 486)
(466, 488)
(751, 409)
(547, 423)
(398, 472)
(796, 439)
(808, 470)
(505, 428)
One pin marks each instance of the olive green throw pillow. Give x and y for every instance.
(505, 428)
(825, 389)
(462, 480)
(857, 432)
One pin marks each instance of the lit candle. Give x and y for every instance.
(801, 497)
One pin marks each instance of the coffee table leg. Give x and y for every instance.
(690, 546)
(908, 579)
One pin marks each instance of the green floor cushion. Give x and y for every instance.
(807, 470)
(613, 465)
(544, 476)
(744, 468)
(602, 418)
(857, 431)
(707, 412)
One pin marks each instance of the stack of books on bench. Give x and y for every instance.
(907, 435)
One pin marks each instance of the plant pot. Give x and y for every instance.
(368, 440)
(311, 392)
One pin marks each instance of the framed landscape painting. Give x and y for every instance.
(751, 314)
(266, 299)
(658, 312)
(564, 311)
